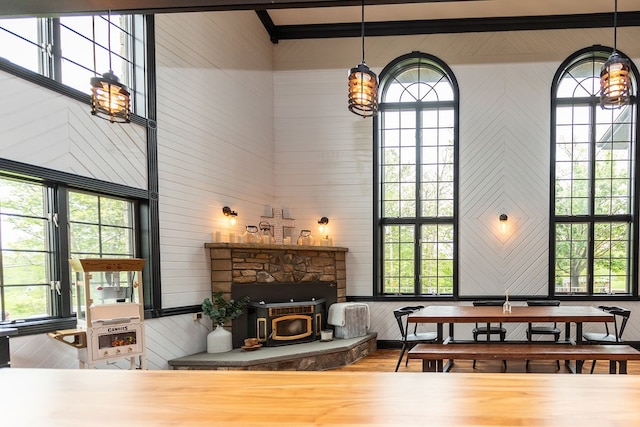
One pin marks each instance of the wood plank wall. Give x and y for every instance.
(215, 108)
(254, 126)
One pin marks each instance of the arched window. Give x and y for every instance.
(593, 190)
(416, 177)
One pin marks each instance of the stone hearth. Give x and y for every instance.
(313, 356)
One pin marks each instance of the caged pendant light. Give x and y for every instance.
(110, 99)
(363, 86)
(615, 79)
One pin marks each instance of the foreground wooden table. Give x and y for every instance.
(44, 397)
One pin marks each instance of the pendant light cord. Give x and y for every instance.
(109, 38)
(615, 25)
(362, 31)
(93, 30)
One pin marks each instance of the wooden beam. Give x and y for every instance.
(76, 7)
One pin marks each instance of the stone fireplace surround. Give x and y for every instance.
(276, 273)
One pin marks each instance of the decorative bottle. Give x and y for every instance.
(305, 238)
(251, 235)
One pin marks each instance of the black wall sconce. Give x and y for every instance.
(503, 223)
(323, 221)
(230, 214)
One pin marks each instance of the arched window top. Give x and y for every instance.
(580, 76)
(417, 77)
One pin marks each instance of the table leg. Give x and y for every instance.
(428, 365)
(623, 367)
(439, 333)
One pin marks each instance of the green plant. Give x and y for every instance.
(220, 310)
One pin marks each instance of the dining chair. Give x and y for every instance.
(543, 329)
(410, 338)
(489, 329)
(620, 319)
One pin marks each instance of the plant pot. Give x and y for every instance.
(219, 340)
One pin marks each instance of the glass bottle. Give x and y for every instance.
(251, 235)
(265, 233)
(305, 238)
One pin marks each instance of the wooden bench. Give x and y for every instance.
(615, 354)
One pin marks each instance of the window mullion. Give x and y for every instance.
(64, 272)
(418, 213)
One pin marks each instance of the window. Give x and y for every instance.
(71, 50)
(594, 213)
(42, 225)
(417, 179)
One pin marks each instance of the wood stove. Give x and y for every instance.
(282, 323)
(281, 293)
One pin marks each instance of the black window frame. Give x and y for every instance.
(58, 184)
(588, 54)
(398, 65)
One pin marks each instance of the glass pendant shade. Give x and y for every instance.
(363, 91)
(615, 82)
(109, 98)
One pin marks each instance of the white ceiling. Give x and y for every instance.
(447, 10)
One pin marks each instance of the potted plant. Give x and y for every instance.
(220, 311)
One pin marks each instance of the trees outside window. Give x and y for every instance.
(41, 227)
(416, 177)
(594, 216)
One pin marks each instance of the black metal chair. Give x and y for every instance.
(489, 329)
(410, 339)
(620, 319)
(543, 329)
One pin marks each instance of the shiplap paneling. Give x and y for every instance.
(234, 132)
(166, 338)
(67, 137)
(505, 81)
(215, 139)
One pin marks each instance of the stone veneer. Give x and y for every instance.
(258, 263)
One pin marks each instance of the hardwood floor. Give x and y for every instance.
(384, 360)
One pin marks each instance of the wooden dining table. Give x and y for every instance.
(141, 398)
(452, 314)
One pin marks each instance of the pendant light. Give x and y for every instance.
(363, 86)
(109, 98)
(615, 81)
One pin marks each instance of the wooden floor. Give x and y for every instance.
(384, 360)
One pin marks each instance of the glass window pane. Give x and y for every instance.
(19, 42)
(25, 250)
(421, 140)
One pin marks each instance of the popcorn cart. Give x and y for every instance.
(110, 311)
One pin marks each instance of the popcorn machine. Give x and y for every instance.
(110, 311)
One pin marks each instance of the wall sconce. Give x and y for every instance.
(230, 214)
(503, 223)
(323, 222)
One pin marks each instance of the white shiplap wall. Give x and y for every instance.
(215, 139)
(505, 81)
(252, 125)
(44, 128)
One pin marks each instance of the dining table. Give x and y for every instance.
(453, 314)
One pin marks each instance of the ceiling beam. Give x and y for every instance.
(449, 26)
(76, 7)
